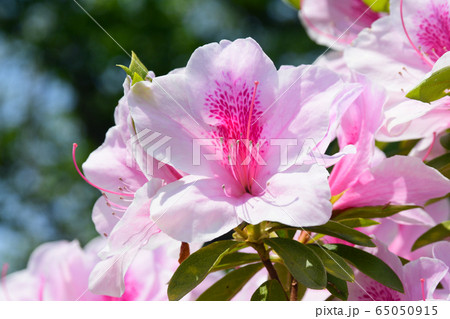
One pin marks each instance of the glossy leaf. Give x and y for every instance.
(341, 231)
(228, 286)
(432, 88)
(334, 264)
(137, 70)
(368, 264)
(270, 290)
(371, 211)
(337, 287)
(378, 5)
(358, 222)
(283, 275)
(304, 265)
(286, 233)
(136, 66)
(196, 267)
(236, 259)
(445, 141)
(439, 232)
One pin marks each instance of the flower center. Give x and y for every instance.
(235, 109)
(434, 31)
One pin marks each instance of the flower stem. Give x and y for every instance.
(265, 258)
(294, 290)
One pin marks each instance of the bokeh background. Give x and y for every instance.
(59, 85)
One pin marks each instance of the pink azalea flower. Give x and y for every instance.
(128, 179)
(400, 232)
(60, 271)
(420, 279)
(225, 113)
(336, 24)
(120, 167)
(367, 178)
(440, 252)
(417, 35)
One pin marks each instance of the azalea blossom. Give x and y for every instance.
(367, 178)
(237, 128)
(419, 277)
(336, 24)
(397, 52)
(60, 271)
(400, 231)
(128, 179)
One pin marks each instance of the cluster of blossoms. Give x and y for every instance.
(230, 145)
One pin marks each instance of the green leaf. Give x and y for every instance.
(137, 70)
(337, 287)
(442, 164)
(334, 264)
(236, 259)
(136, 78)
(437, 199)
(368, 264)
(293, 3)
(439, 232)
(126, 69)
(271, 290)
(286, 233)
(371, 211)
(196, 267)
(341, 231)
(445, 141)
(432, 88)
(283, 275)
(136, 66)
(304, 265)
(378, 5)
(228, 286)
(358, 222)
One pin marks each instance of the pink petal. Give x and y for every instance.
(297, 198)
(397, 180)
(130, 234)
(195, 209)
(431, 270)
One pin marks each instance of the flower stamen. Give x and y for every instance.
(422, 284)
(422, 56)
(75, 145)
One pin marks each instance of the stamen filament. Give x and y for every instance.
(111, 203)
(422, 56)
(75, 145)
(422, 283)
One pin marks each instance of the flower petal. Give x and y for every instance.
(397, 180)
(195, 209)
(130, 234)
(297, 198)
